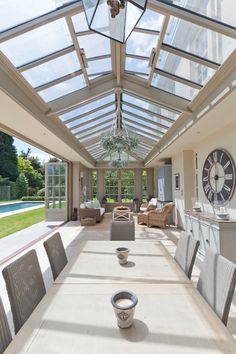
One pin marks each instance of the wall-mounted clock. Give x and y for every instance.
(218, 176)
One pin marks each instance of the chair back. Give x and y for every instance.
(217, 283)
(56, 254)
(5, 334)
(25, 286)
(186, 252)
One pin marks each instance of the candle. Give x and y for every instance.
(222, 210)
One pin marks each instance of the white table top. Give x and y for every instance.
(148, 262)
(78, 318)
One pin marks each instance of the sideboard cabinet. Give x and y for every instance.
(219, 235)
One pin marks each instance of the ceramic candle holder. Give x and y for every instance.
(122, 254)
(124, 303)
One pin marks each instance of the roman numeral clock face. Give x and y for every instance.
(218, 176)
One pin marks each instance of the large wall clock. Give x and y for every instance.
(218, 176)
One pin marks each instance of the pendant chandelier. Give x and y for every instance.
(118, 143)
(114, 19)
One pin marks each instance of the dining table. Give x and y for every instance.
(76, 314)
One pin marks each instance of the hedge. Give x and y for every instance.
(33, 199)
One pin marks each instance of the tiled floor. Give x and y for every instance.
(72, 233)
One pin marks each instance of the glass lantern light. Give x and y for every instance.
(221, 210)
(114, 19)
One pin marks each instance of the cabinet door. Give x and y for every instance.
(204, 235)
(214, 239)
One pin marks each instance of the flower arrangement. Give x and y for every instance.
(119, 142)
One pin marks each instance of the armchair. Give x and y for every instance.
(159, 217)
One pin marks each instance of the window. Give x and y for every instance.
(94, 184)
(111, 186)
(56, 185)
(144, 186)
(127, 186)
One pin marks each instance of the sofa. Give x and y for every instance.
(91, 209)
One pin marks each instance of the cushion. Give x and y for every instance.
(102, 211)
(82, 206)
(96, 203)
(89, 204)
(143, 209)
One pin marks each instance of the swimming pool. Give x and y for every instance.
(18, 206)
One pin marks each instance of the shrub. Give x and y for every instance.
(32, 191)
(41, 192)
(13, 190)
(33, 199)
(21, 185)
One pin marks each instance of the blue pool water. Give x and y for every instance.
(18, 206)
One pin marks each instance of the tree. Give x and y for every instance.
(4, 181)
(35, 179)
(21, 185)
(8, 157)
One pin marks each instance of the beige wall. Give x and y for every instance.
(184, 164)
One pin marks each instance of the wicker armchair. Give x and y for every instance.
(159, 217)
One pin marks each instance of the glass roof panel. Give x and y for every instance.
(15, 12)
(94, 45)
(88, 107)
(137, 65)
(133, 128)
(174, 87)
(150, 126)
(90, 125)
(89, 117)
(37, 43)
(219, 10)
(151, 20)
(52, 70)
(141, 44)
(63, 88)
(94, 130)
(99, 66)
(145, 115)
(150, 106)
(198, 40)
(184, 68)
(80, 22)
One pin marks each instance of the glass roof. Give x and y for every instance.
(52, 48)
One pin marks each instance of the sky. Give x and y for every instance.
(21, 145)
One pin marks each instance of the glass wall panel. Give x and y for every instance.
(144, 186)
(111, 186)
(56, 185)
(94, 184)
(127, 186)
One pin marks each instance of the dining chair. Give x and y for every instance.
(217, 283)
(56, 254)
(186, 252)
(25, 287)
(5, 334)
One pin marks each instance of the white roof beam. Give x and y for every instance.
(177, 78)
(146, 31)
(88, 135)
(136, 130)
(67, 10)
(143, 128)
(189, 56)
(132, 118)
(95, 110)
(77, 48)
(197, 19)
(158, 47)
(148, 120)
(141, 109)
(45, 59)
(68, 102)
(154, 94)
(58, 81)
(92, 120)
(78, 134)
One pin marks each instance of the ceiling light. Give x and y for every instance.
(114, 19)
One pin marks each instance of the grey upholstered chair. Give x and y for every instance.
(186, 252)
(25, 287)
(217, 283)
(56, 254)
(5, 334)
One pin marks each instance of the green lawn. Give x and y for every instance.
(17, 222)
